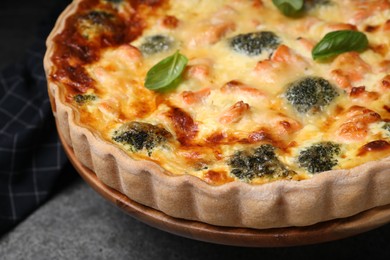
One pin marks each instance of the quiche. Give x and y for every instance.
(240, 113)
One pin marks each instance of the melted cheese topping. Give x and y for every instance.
(236, 102)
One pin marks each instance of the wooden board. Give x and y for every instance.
(277, 237)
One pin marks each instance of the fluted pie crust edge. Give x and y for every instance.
(326, 196)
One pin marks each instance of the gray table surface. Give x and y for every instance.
(77, 223)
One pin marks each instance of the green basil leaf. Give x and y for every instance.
(167, 72)
(289, 7)
(337, 42)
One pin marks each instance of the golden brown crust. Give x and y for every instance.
(330, 195)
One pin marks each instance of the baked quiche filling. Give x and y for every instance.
(251, 101)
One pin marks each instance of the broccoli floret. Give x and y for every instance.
(94, 23)
(141, 136)
(310, 94)
(263, 161)
(254, 43)
(83, 99)
(155, 44)
(319, 157)
(98, 17)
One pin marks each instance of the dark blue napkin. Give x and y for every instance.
(32, 162)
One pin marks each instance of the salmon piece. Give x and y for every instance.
(258, 4)
(284, 126)
(234, 114)
(365, 9)
(348, 69)
(269, 70)
(183, 124)
(211, 34)
(286, 55)
(235, 86)
(352, 132)
(341, 78)
(198, 68)
(200, 71)
(224, 13)
(190, 97)
(109, 108)
(384, 66)
(282, 54)
(265, 65)
(355, 123)
(129, 52)
(212, 30)
(381, 49)
(308, 23)
(386, 26)
(361, 115)
(360, 93)
(170, 22)
(306, 43)
(342, 26)
(217, 177)
(101, 74)
(282, 59)
(127, 56)
(371, 28)
(275, 126)
(351, 61)
(385, 83)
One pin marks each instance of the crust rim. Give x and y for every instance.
(326, 196)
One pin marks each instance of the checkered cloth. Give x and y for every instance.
(31, 157)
